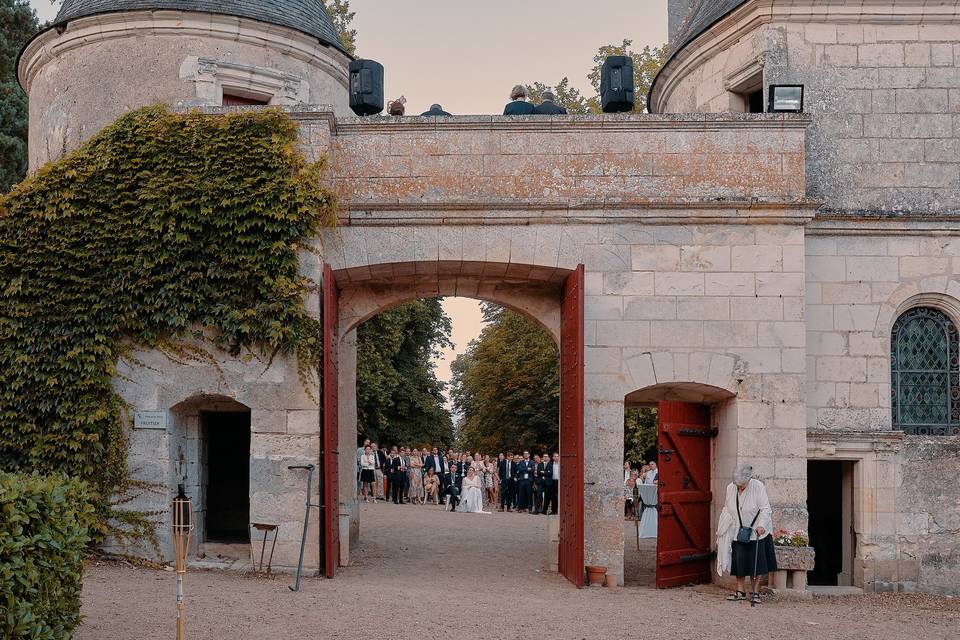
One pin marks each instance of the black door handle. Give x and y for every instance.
(666, 454)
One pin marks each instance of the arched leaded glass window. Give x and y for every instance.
(925, 373)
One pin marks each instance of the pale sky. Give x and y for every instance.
(467, 55)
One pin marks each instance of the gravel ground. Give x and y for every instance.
(421, 572)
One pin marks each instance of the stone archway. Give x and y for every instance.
(550, 295)
(210, 456)
(696, 438)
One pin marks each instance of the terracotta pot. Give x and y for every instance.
(610, 581)
(595, 575)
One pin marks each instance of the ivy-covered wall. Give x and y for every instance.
(163, 232)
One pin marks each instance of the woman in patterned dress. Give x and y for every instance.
(490, 479)
(481, 473)
(414, 470)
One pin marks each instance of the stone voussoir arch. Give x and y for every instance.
(939, 292)
(706, 369)
(532, 290)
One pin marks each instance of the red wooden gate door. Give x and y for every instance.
(683, 535)
(571, 429)
(330, 498)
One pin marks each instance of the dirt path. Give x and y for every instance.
(423, 573)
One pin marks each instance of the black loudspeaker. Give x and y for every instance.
(366, 87)
(616, 84)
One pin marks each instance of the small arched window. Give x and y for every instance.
(925, 373)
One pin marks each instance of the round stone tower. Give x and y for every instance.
(102, 58)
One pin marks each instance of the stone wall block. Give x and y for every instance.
(628, 283)
(303, 422)
(641, 370)
(649, 307)
(268, 421)
(679, 284)
(655, 258)
(780, 284)
(605, 307)
(701, 258)
(676, 333)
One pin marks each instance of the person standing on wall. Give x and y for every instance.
(744, 540)
(548, 106)
(518, 105)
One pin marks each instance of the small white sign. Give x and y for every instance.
(150, 420)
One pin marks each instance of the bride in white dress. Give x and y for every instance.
(471, 495)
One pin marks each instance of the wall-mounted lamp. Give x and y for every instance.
(785, 98)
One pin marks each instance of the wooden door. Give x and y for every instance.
(683, 536)
(571, 430)
(329, 456)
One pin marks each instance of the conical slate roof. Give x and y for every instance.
(307, 16)
(703, 13)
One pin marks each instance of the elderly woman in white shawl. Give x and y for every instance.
(744, 544)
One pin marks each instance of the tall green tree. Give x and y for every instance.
(646, 64)
(639, 434)
(506, 386)
(342, 18)
(18, 23)
(399, 398)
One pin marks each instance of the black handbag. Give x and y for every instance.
(744, 533)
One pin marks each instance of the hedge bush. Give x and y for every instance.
(45, 524)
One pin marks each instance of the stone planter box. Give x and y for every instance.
(792, 566)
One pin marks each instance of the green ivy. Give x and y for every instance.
(163, 229)
(44, 530)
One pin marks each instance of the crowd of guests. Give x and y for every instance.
(461, 481)
(519, 105)
(643, 473)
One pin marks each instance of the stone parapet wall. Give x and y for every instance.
(565, 161)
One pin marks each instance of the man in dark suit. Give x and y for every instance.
(398, 470)
(552, 478)
(540, 487)
(435, 110)
(549, 107)
(518, 105)
(506, 471)
(525, 472)
(436, 462)
(453, 481)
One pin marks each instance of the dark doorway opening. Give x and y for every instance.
(227, 444)
(830, 504)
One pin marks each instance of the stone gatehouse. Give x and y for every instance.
(797, 274)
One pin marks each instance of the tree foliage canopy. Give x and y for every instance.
(163, 230)
(18, 23)
(342, 17)
(639, 434)
(399, 399)
(506, 386)
(646, 64)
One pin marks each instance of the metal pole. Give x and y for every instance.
(306, 521)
